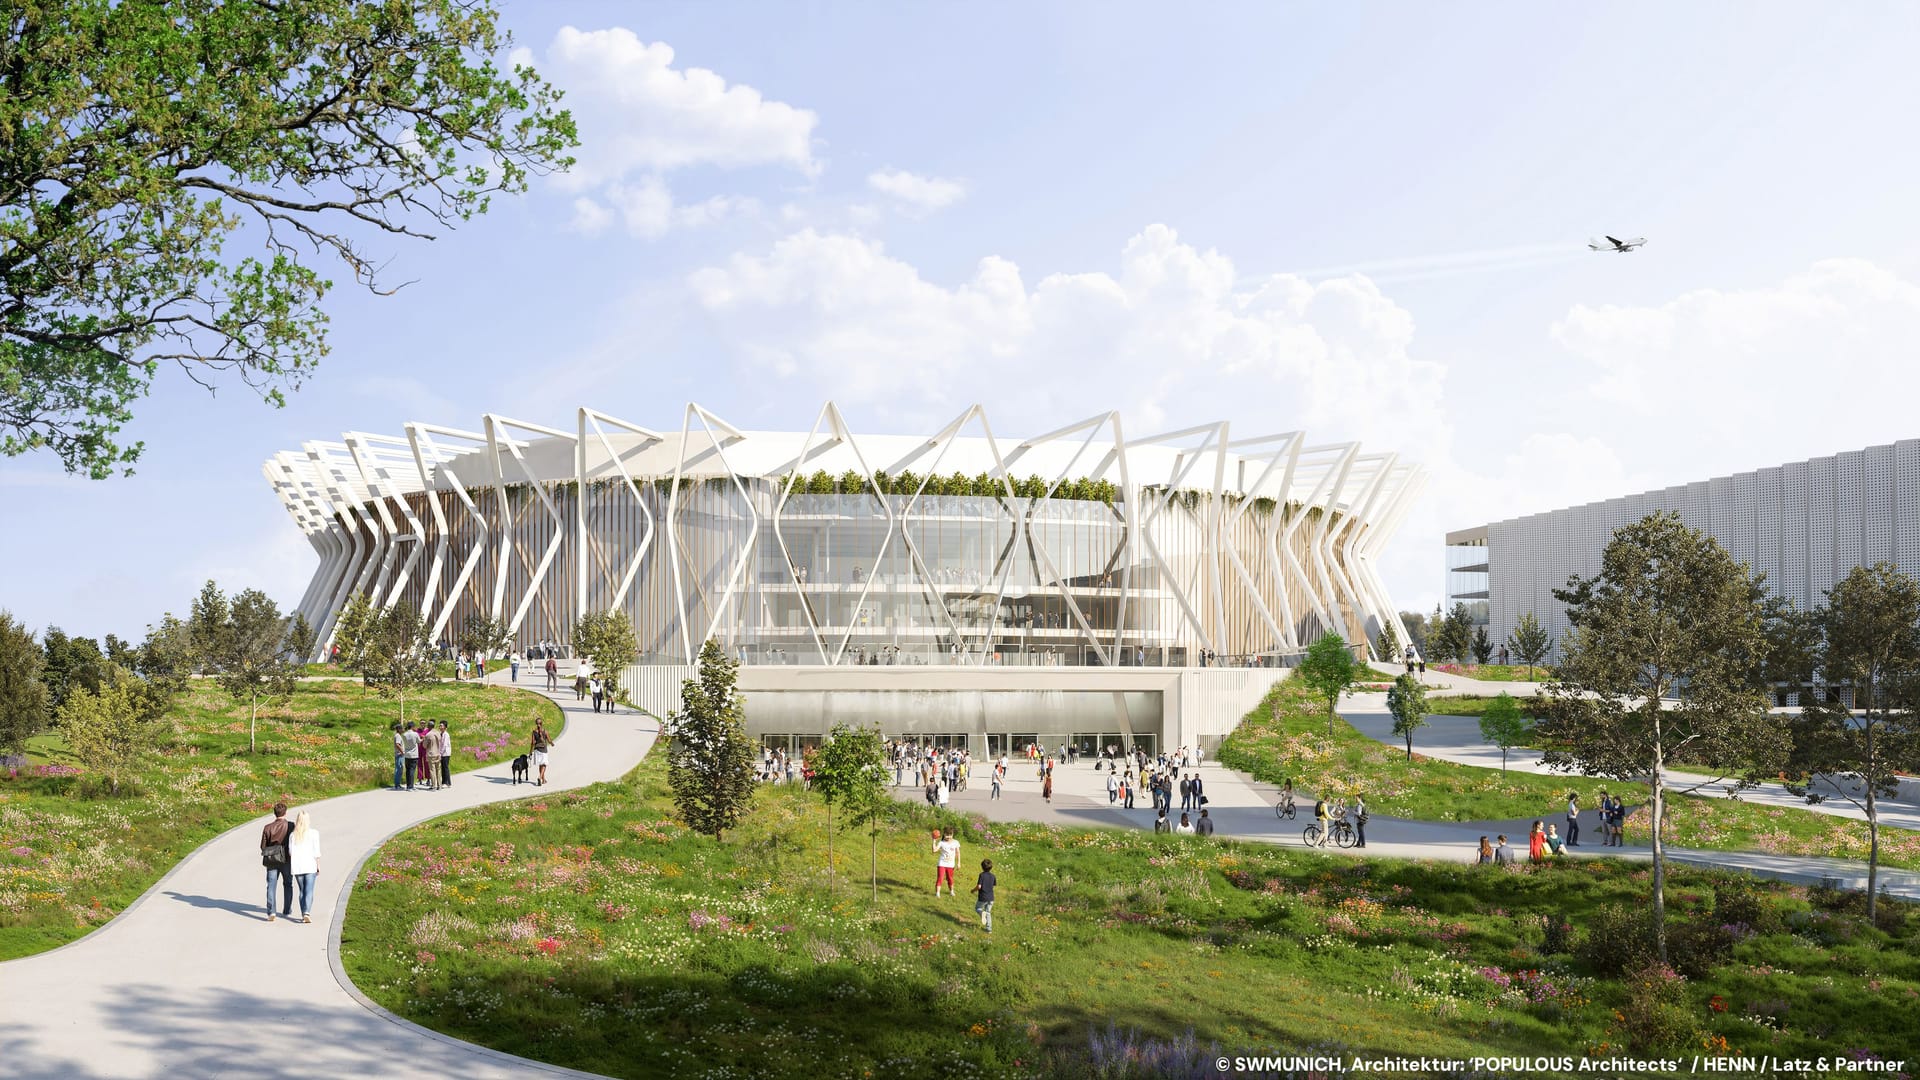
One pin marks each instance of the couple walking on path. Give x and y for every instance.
(290, 851)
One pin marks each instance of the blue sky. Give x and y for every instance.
(1368, 220)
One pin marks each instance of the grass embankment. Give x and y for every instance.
(591, 930)
(1285, 737)
(71, 858)
(443, 669)
(1497, 672)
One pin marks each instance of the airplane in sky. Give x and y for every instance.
(1621, 246)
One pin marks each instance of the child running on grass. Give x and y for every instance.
(949, 851)
(983, 888)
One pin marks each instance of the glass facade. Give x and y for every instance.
(1469, 579)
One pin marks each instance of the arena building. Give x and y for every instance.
(1059, 586)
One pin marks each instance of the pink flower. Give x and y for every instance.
(548, 946)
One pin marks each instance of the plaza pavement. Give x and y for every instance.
(192, 981)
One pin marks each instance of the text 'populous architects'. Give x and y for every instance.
(1078, 547)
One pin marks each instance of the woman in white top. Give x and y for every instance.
(1185, 827)
(303, 853)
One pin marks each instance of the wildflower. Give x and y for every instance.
(548, 946)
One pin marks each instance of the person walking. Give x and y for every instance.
(409, 752)
(445, 738)
(1321, 818)
(1573, 819)
(539, 744)
(553, 674)
(273, 856)
(983, 894)
(303, 856)
(579, 685)
(593, 687)
(946, 852)
(996, 785)
(1359, 820)
(1113, 788)
(1046, 788)
(1186, 793)
(399, 754)
(513, 667)
(1537, 842)
(1205, 825)
(1199, 793)
(1126, 790)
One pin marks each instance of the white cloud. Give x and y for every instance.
(921, 192)
(647, 209)
(1744, 369)
(637, 113)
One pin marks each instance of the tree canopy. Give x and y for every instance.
(1504, 725)
(1666, 657)
(710, 762)
(606, 639)
(1530, 642)
(24, 708)
(251, 650)
(1328, 669)
(174, 177)
(1407, 702)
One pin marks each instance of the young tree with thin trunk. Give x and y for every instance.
(1482, 645)
(1665, 657)
(112, 730)
(1866, 730)
(398, 658)
(1407, 702)
(353, 632)
(710, 760)
(607, 640)
(254, 652)
(1328, 669)
(1504, 725)
(23, 696)
(1530, 642)
(1389, 643)
(849, 770)
(481, 636)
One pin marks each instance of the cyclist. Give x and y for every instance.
(1286, 801)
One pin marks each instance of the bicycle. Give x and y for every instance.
(1284, 810)
(1342, 834)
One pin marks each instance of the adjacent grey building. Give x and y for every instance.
(1804, 524)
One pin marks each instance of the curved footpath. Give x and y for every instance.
(191, 980)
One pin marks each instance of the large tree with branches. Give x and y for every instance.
(173, 176)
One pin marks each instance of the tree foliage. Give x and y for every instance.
(1415, 624)
(1407, 702)
(1389, 643)
(1866, 730)
(1328, 669)
(252, 651)
(71, 663)
(1482, 645)
(1453, 640)
(353, 631)
(112, 730)
(483, 636)
(1665, 657)
(710, 761)
(607, 640)
(1530, 642)
(395, 655)
(1504, 725)
(850, 771)
(24, 708)
(143, 139)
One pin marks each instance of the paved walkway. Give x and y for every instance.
(192, 981)
(1242, 808)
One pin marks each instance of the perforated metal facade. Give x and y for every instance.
(1804, 524)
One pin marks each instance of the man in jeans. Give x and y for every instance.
(399, 751)
(275, 835)
(1573, 819)
(410, 750)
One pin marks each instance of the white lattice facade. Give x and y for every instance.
(1805, 524)
(1078, 547)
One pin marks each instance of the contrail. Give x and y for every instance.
(1416, 267)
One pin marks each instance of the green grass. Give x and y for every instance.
(1285, 737)
(591, 930)
(1497, 672)
(444, 669)
(71, 858)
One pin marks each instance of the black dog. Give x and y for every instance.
(520, 769)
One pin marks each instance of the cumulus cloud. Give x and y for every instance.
(919, 192)
(1716, 365)
(1164, 335)
(641, 118)
(639, 114)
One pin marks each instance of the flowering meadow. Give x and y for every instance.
(592, 930)
(71, 857)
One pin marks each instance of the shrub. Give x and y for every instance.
(1890, 915)
(1739, 902)
(1619, 939)
(1559, 934)
(1697, 946)
(1655, 1016)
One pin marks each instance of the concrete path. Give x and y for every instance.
(192, 981)
(1242, 808)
